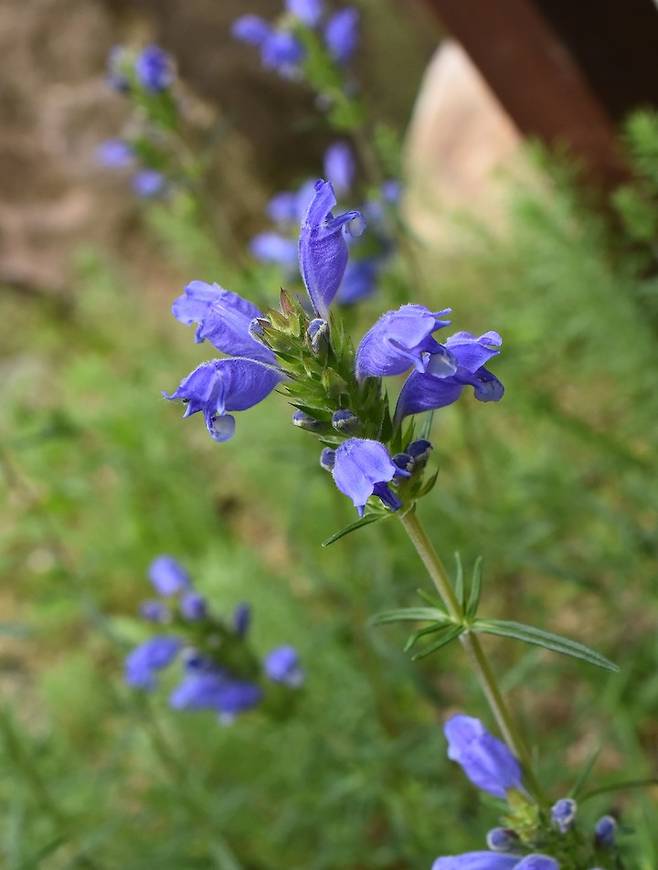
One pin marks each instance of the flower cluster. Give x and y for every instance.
(220, 672)
(337, 394)
(531, 837)
(368, 255)
(285, 45)
(147, 78)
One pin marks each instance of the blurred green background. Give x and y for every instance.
(555, 487)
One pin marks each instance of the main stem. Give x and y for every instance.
(471, 643)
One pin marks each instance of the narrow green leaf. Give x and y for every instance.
(476, 589)
(619, 786)
(422, 632)
(459, 579)
(545, 639)
(428, 485)
(352, 527)
(585, 773)
(428, 598)
(411, 614)
(448, 634)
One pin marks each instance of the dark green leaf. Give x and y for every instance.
(411, 614)
(545, 639)
(448, 634)
(459, 579)
(352, 527)
(476, 589)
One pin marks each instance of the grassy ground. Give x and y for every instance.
(554, 487)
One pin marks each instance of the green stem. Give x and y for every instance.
(471, 643)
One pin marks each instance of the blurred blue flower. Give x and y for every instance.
(340, 167)
(495, 861)
(282, 666)
(242, 619)
(359, 281)
(323, 250)
(251, 29)
(502, 840)
(605, 832)
(222, 385)
(114, 154)
(310, 12)
(398, 340)
(282, 207)
(193, 606)
(341, 34)
(441, 384)
(154, 69)
(149, 183)
(168, 576)
(361, 468)
(283, 52)
(223, 319)
(486, 761)
(563, 814)
(215, 690)
(154, 611)
(149, 657)
(271, 247)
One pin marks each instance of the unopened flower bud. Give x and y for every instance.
(193, 606)
(241, 619)
(256, 328)
(420, 450)
(305, 421)
(328, 458)
(405, 463)
(563, 813)
(502, 840)
(605, 831)
(154, 611)
(318, 335)
(345, 421)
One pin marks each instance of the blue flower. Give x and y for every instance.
(222, 385)
(362, 468)
(502, 840)
(154, 611)
(486, 761)
(283, 52)
(341, 34)
(271, 247)
(114, 154)
(339, 167)
(359, 281)
(563, 813)
(605, 831)
(282, 666)
(282, 207)
(223, 319)
(438, 386)
(149, 183)
(322, 246)
(495, 861)
(193, 606)
(168, 576)
(149, 657)
(215, 690)
(251, 29)
(154, 69)
(308, 11)
(242, 619)
(400, 339)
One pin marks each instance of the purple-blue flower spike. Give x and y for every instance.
(362, 468)
(149, 657)
(222, 385)
(341, 34)
(168, 576)
(223, 319)
(251, 29)
(485, 760)
(339, 167)
(323, 250)
(399, 340)
(309, 12)
(282, 666)
(154, 69)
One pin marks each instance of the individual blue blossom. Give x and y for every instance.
(328, 459)
(563, 813)
(272, 247)
(151, 656)
(341, 34)
(149, 183)
(283, 207)
(115, 154)
(359, 281)
(193, 606)
(242, 619)
(605, 831)
(223, 385)
(282, 666)
(485, 759)
(340, 167)
(323, 250)
(310, 12)
(495, 861)
(168, 576)
(363, 468)
(502, 840)
(391, 190)
(318, 334)
(283, 52)
(251, 29)
(214, 689)
(223, 319)
(401, 339)
(437, 386)
(154, 69)
(305, 421)
(154, 611)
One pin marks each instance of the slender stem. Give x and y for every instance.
(471, 643)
